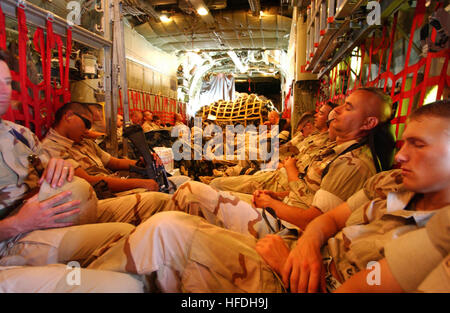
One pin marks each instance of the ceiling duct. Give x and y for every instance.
(148, 8)
(236, 29)
(255, 6)
(161, 2)
(237, 62)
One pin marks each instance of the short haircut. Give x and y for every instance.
(385, 99)
(332, 105)
(306, 117)
(440, 108)
(80, 108)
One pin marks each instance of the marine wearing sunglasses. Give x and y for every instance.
(87, 123)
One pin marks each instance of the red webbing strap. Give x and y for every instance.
(130, 105)
(47, 72)
(39, 45)
(369, 72)
(65, 83)
(135, 97)
(140, 100)
(120, 108)
(427, 71)
(287, 108)
(444, 79)
(23, 38)
(38, 41)
(149, 101)
(2, 30)
(59, 91)
(132, 96)
(144, 101)
(165, 110)
(156, 107)
(9, 115)
(363, 54)
(380, 49)
(174, 106)
(59, 45)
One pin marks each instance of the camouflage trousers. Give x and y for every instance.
(177, 252)
(225, 209)
(56, 278)
(210, 249)
(272, 180)
(37, 261)
(81, 243)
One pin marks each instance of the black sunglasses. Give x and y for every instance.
(87, 123)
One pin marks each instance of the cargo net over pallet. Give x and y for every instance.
(412, 79)
(246, 109)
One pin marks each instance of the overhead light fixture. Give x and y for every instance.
(202, 11)
(164, 18)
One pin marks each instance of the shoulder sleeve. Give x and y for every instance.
(345, 177)
(103, 155)
(411, 258)
(54, 150)
(379, 185)
(438, 229)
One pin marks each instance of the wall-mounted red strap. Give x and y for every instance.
(47, 71)
(418, 18)
(2, 30)
(65, 83)
(23, 38)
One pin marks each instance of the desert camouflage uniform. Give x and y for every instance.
(189, 254)
(146, 127)
(86, 154)
(58, 245)
(300, 143)
(274, 180)
(381, 212)
(346, 175)
(420, 260)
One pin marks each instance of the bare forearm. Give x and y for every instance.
(366, 281)
(294, 215)
(292, 174)
(9, 228)
(117, 184)
(114, 183)
(329, 224)
(120, 164)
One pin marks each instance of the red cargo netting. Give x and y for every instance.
(38, 103)
(406, 97)
(165, 108)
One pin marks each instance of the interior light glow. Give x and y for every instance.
(202, 11)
